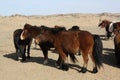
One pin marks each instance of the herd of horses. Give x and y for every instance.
(67, 43)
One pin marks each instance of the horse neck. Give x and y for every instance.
(34, 33)
(52, 38)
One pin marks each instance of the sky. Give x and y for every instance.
(49, 7)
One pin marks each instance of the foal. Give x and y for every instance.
(20, 45)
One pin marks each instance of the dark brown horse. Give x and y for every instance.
(109, 26)
(117, 46)
(71, 42)
(21, 45)
(33, 31)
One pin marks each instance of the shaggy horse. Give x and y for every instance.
(33, 31)
(117, 48)
(71, 42)
(109, 26)
(20, 45)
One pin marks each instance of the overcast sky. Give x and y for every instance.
(48, 7)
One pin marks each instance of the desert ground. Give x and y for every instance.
(34, 69)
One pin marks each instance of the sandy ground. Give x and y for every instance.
(33, 69)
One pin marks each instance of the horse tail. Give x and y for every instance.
(73, 58)
(97, 51)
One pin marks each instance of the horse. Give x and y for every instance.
(20, 45)
(71, 42)
(33, 31)
(109, 26)
(117, 47)
(105, 24)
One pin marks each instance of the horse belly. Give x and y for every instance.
(71, 47)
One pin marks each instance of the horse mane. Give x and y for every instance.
(52, 30)
(30, 27)
(74, 28)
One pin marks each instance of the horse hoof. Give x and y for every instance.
(23, 61)
(95, 70)
(65, 67)
(57, 65)
(16, 59)
(45, 62)
(28, 57)
(83, 70)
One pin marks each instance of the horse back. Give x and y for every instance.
(67, 40)
(17, 32)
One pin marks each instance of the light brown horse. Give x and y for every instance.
(71, 42)
(117, 46)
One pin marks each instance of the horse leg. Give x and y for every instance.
(58, 62)
(17, 54)
(23, 50)
(28, 52)
(45, 53)
(106, 34)
(17, 49)
(64, 63)
(95, 70)
(85, 58)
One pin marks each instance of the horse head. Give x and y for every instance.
(29, 31)
(103, 23)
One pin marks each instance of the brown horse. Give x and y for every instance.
(71, 42)
(109, 26)
(33, 31)
(117, 46)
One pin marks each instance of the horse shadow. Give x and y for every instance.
(39, 60)
(109, 57)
